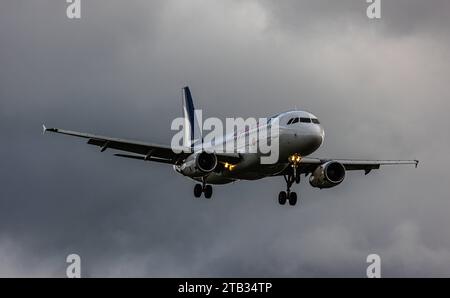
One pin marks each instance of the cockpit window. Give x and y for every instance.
(305, 120)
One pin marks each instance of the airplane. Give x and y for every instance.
(300, 134)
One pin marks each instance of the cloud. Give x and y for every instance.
(398, 18)
(379, 88)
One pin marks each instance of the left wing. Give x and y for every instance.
(308, 165)
(148, 151)
(141, 150)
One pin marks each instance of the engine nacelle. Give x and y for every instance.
(327, 175)
(198, 164)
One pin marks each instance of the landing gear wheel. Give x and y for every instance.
(282, 197)
(208, 191)
(198, 189)
(292, 198)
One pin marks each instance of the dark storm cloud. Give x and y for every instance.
(379, 88)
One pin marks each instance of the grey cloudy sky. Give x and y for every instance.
(380, 88)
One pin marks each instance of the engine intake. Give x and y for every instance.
(206, 162)
(198, 164)
(327, 175)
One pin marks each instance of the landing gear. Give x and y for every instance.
(292, 175)
(289, 195)
(294, 161)
(198, 189)
(282, 196)
(205, 189)
(292, 198)
(297, 175)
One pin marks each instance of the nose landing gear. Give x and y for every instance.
(290, 178)
(288, 195)
(294, 161)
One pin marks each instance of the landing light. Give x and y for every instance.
(295, 158)
(228, 166)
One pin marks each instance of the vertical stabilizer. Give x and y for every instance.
(192, 133)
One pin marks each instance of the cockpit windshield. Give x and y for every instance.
(303, 120)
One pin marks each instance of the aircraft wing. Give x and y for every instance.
(308, 165)
(140, 150)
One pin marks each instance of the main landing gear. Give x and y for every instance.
(203, 188)
(290, 178)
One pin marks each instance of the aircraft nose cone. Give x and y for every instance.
(316, 140)
(311, 143)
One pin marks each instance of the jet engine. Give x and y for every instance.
(198, 164)
(327, 175)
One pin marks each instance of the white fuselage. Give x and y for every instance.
(299, 133)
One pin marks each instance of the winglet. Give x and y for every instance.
(417, 162)
(45, 129)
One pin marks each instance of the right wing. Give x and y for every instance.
(308, 164)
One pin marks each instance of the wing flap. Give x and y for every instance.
(161, 160)
(121, 145)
